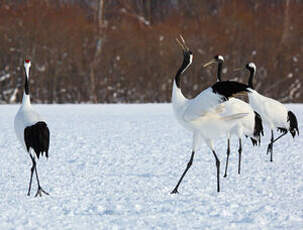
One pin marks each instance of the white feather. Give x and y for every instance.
(205, 114)
(273, 113)
(245, 124)
(202, 103)
(26, 115)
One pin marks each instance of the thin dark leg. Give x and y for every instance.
(32, 172)
(279, 137)
(270, 146)
(227, 157)
(188, 166)
(240, 153)
(218, 171)
(40, 190)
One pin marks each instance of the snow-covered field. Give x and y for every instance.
(114, 166)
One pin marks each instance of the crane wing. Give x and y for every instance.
(211, 97)
(203, 103)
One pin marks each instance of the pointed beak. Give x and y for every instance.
(209, 63)
(237, 69)
(182, 43)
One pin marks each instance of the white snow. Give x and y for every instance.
(114, 166)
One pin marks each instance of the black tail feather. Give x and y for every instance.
(258, 129)
(254, 142)
(293, 124)
(282, 130)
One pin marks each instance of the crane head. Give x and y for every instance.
(217, 59)
(251, 66)
(27, 64)
(188, 55)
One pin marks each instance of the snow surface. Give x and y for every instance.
(114, 166)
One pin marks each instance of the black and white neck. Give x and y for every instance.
(26, 97)
(220, 61)
(187, 60)
(252, 69)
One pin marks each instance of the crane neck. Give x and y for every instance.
(26, 97)
(26, 84)
(178, 79)
(219, 73)
(186, 63)
(26, 100)
(251, 78)
(178, 99)
(179, 73)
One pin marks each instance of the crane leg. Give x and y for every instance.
(227, 156)
(188, 166)
(270, 145)
(240, 153)
(279, 137)
(31, 177)
(218, 171)
(40, 190)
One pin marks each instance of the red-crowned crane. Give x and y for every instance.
(273, 113)
(249, 126)
(32, 131)
(202, 115)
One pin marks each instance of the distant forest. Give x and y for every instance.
(124, 51)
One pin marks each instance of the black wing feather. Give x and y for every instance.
(229, 88)
(37, 138)
(258, 129)
(293, 124)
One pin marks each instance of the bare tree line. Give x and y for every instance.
(105, 51)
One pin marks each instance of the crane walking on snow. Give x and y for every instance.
(273, 113)
(202, 115)
(32, 131)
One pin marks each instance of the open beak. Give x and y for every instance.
(182, 43)
(213, 61)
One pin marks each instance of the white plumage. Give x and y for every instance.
(189, 110)
(249, 126)
(205, 115)
(274, 114)
(25, 117)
